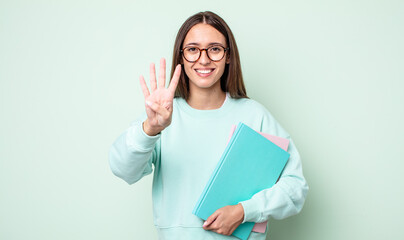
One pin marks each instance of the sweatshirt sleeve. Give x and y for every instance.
(132, 154)
(287, 196)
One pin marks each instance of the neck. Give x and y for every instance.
(206, 100)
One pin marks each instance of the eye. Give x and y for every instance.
(215, 49)
(192, 49)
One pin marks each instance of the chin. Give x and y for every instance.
(205, 83)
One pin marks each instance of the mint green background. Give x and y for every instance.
(330, 71)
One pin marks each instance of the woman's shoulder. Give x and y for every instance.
(250, 104)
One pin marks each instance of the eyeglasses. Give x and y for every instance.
(215, 53)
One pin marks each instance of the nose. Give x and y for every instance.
(204, 59)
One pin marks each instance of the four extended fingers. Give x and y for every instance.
(162, 76)
(164, 111)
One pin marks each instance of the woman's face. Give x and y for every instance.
(204, 74)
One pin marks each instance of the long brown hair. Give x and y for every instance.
(232, 78)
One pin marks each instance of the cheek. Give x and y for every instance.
(222, 68)
(188, 69)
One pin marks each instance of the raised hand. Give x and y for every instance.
(159, 100)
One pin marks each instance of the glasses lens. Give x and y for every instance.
(191, 53)
(216, 53)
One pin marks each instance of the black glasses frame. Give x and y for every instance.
(207, 53)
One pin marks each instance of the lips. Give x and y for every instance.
(204, 72)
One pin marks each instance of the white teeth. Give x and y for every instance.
(204, 71)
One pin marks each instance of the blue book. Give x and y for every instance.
(250, 163)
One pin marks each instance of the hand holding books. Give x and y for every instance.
(225, 220)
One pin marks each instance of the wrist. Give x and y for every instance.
(241, 212)
(150, 130)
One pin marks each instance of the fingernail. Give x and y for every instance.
(148, 103)
(204, 224)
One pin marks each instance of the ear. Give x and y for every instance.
(227, 58)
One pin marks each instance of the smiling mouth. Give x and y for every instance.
(204, 71)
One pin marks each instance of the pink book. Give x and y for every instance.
(280, 142)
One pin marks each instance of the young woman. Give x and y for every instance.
(185, 131)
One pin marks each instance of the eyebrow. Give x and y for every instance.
(210, 44)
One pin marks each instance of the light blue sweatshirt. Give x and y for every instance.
(184, 156)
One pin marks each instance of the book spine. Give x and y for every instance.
(217, 169)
